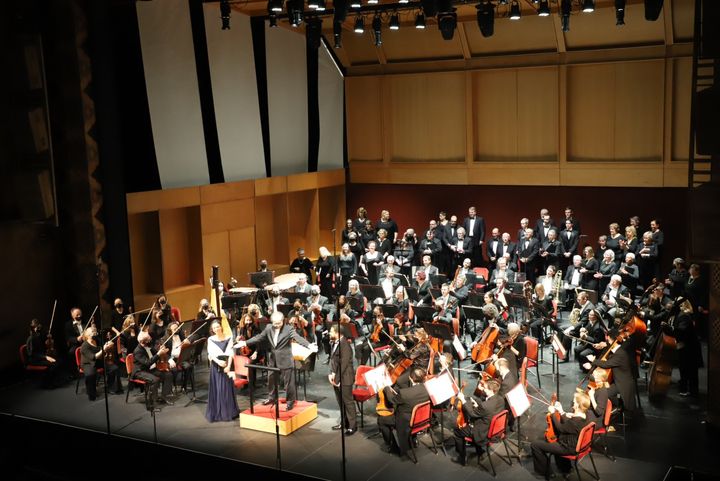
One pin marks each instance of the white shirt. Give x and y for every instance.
(575, 281)
(472, 226)
(276, 334)
(78, 326)
(387, 287)
(495, 246)
(460, 244)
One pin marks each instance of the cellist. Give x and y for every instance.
(479, 410)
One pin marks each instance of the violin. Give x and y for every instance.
(458, 404)
(550, 434)
(375, 336)
(49, 342)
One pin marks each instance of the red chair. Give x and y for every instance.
(242, 373)
(361, 390)
(602, 431)
(481, 271)
(176, 314)
(78, 363)
(531, 347)
(29, 367)
(496, 433)
(129, 364)
(523, 372)
(582, 449)
(420, 423)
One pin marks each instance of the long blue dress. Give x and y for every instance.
(222, 405)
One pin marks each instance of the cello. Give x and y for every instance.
(485, 347)
(662, 364)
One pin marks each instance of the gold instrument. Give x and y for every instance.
(557, 282)
(574, 316)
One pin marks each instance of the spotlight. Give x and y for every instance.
(355, 4)
(565, 7)
(272, 20)
(486, 18)
(359, 24)
(275, 5)
(337, 34)
(377, 29)
(295, 12)
(502, 2)
(420, 20)
(653, 9)
(225, 14)
(515, 10)
(394, 22)
(588, 6)
(447, 19)
(372, 2)
(619, 13)
(320, 5)
(403, 1)
(544, 9)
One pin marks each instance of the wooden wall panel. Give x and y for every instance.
(364, 118)
(145, 253)
(639, 89)
(531, 34)
(591, 112)
(495, 114)
(428, 117)
(216, 252)
(332, 215)
(176, 247)
(162, 199)
(271, 234)
(425, 44)
(224, 216)
(302, 222)
(242, 253)
(682, 87)
(537, 94)
(225, 192)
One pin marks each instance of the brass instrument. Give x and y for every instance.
(574, 316)
(557, 282)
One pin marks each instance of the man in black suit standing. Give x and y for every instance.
(475, 230)
(492, 248)
(527, 252)
(278, 336)
(342, 378)
(403, 401)
(569, 238)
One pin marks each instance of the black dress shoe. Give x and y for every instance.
(350, 432)
(166, 401)
(268, 402)
(337, 427)
(289, 406)
(460, 460)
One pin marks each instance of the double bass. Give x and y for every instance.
(662, 364)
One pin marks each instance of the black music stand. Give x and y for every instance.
(516, 302)
(442, 331)
(357, 304)
(277, 405)
(424, 314)
(285, 309)
(412, 293)
(390, 310)
(360, 279)
(438, 279)
(372, 292)
(262, 278)
(403, 280)
(475, 299)
(187, 357)
(473, 314)
(294, 296)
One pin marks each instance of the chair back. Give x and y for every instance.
(498, 425)
(240, 363)
(77, 359)
(420, 418)
(523, 371)
(360, 377)
(129, 364)
(584, 444)
(23, 354)
(176, 314)
(531, 346)
(481, 271)
(555, 309)
(608, 413)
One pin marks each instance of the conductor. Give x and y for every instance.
(279, 335)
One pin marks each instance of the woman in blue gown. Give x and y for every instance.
(222, 405)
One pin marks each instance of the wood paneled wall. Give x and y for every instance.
(595, 124)
(177, 235)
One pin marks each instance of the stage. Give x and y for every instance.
(656, 438)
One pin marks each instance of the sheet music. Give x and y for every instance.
(558, 347)
(299, 352)
(518, 400)
(462, 353)
(377, 379)
(441, 388)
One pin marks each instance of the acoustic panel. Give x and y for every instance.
(330, 94)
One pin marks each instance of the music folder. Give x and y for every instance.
(441, 388)
(518, 400)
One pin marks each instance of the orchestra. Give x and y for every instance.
(403, 276)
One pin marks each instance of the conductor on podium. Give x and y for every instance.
(279, 336)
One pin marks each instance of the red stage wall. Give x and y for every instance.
(504, 206)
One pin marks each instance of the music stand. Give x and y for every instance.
(473, 314)
(372, 292)
(277, 405)
(592, 295)
(294, 296)
(285, 309)
(186, 358)
(360, 279)
(516, 302)
(403, 280)
(438, 279)
(515, 287)
(262, 278)
(442, 331)
(519, 402)
(412, 293)
(357, 304)
(390, 310)
(475, 299)
(424, 314)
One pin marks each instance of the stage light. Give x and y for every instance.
(355, 4)
(515, 11)
(544, 9)
(565, 7)
(619, 13)
(225, 14)
(372, 2)
(502, 2)
(337, 34)
(272, 20)
(420, 21)
(394, 22)
(275, 5)
(359, 24)
(320, 5)
(403, 1)
(486, 18)
(377, 29)
(588, 6)
(653, 9)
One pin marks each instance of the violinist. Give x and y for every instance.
(460, 289)
(401, 301)
(403, 399)
(380, 332)
(422, 284)
(621, 359)
(165, 309)
(318, 304)
(91, 358)
(205, 313)
(445, 305)
(500, 293)
(128, 336)
(591, 336)
(479, 409)
(389, 283)
(541, 308)
(146, 358)
(598, 391)
(568, 427)
(513, 346)
(176, 341)
(74, 332)
(158, 328)
(508, 379)
(37, 353)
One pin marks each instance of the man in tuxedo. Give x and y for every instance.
(570, 216)
(544, 226)
(524, 225)
(427, 267)
(550, 249)
(450, 233)
(278, 336)
(475, 231)
(461, 247)
(569, 238)
(527, 252)
(342, 378)
(74, 333)
(447, 303)
(573, 279)
(508, 250)
(492, 247)
(403, 401)
(614, 296)
(502, 270)
(478, 413)
(144, 369)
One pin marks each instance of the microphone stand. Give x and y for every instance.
(98, 272)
